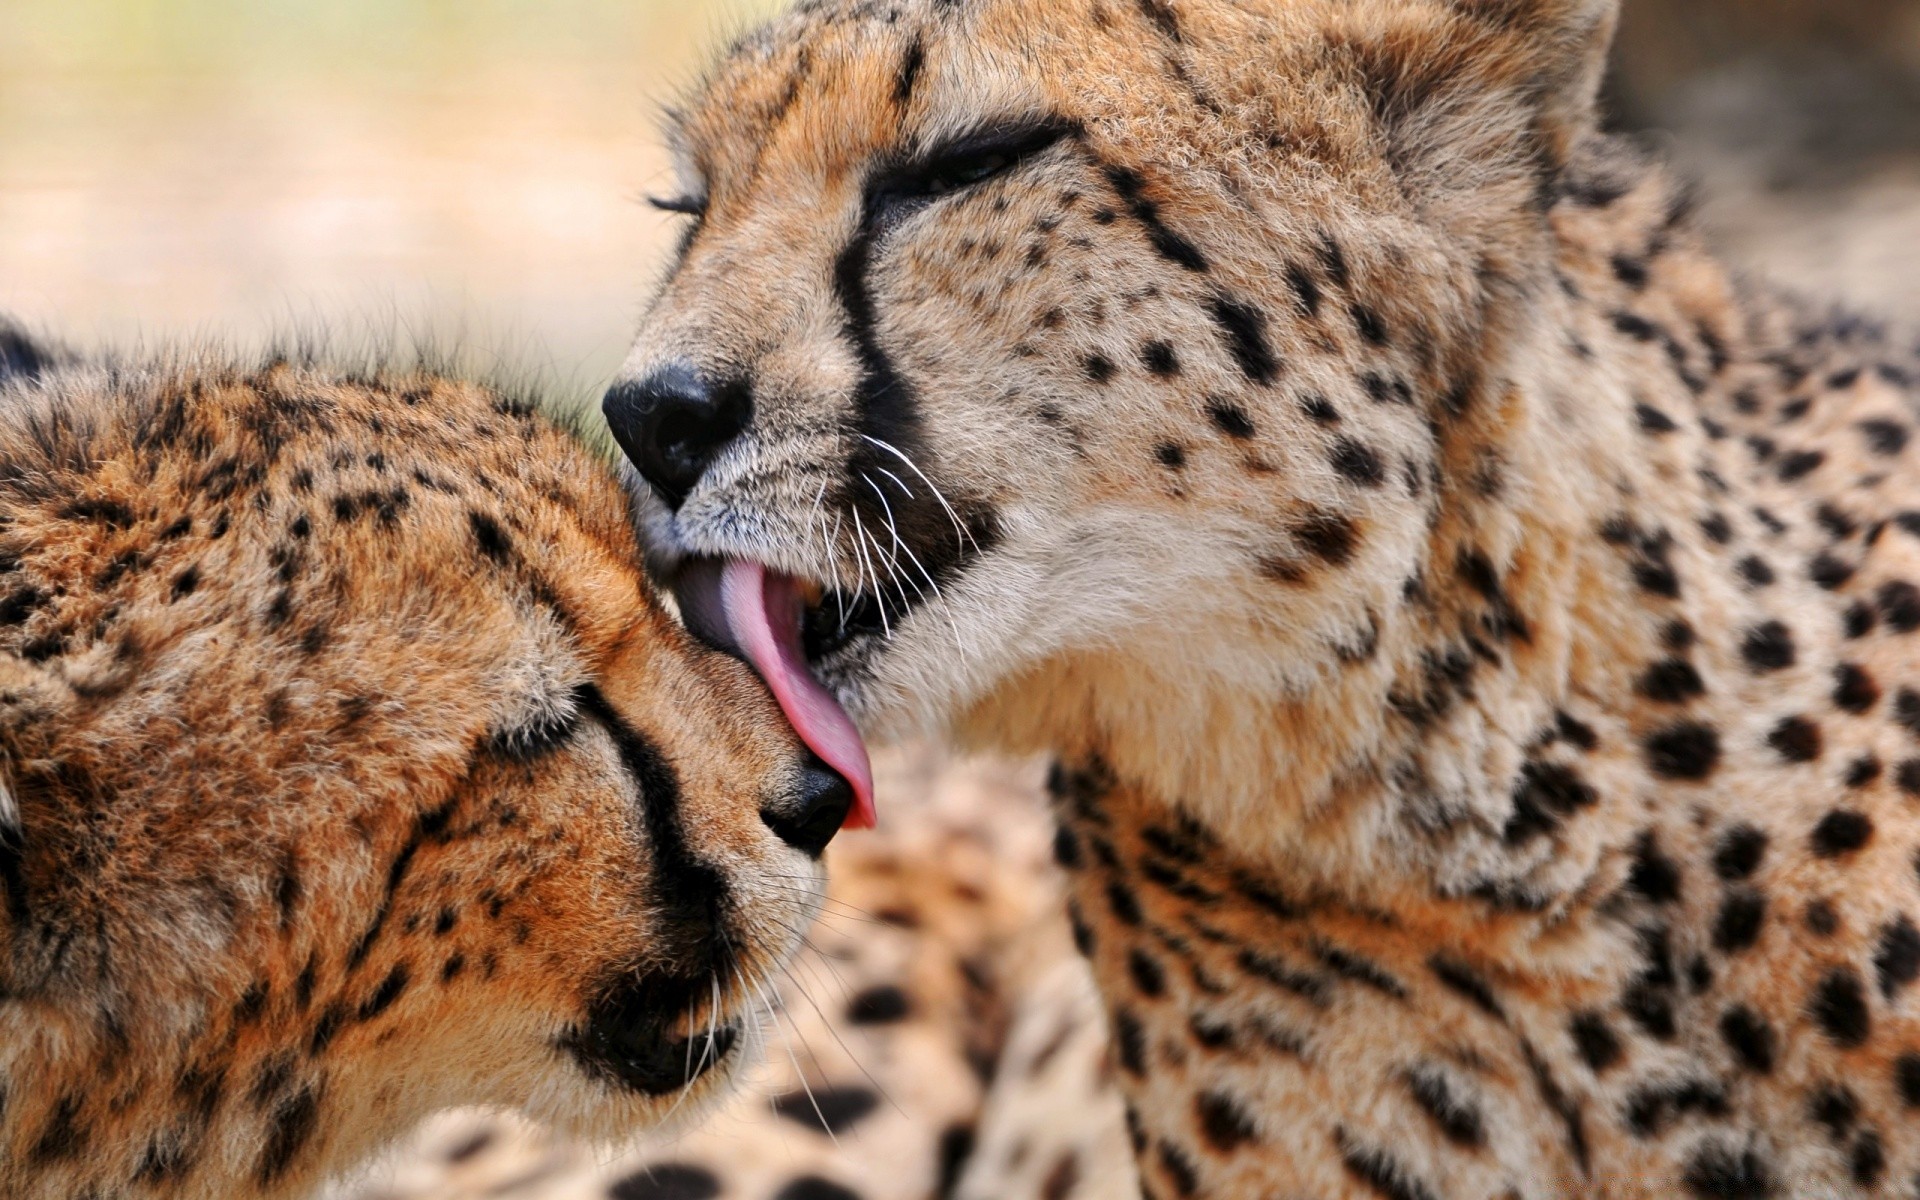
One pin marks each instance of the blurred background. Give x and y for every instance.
(473, 168)
(469, 168)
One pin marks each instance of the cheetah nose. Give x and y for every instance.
(821, 809)
(674, 423)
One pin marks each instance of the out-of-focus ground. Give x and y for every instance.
(1800, 121)
(385, 169)
(472, 170)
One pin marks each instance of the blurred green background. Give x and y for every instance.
(472, 168)
(233, 168)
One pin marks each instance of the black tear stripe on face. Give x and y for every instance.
(690, 897)
(629, 1036)
(912, 541)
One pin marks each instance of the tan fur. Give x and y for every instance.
(1383, 508)
(288, 861)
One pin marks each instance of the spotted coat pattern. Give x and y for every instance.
(1477, 633)
(352, 770)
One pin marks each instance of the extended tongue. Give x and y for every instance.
(763, 614)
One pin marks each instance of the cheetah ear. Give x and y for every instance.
(35, 705)
(1478, 95)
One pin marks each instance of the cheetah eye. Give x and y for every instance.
(957, 173)
(969, 161)
(685, 205)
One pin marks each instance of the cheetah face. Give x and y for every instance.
(351, 760)
(1013, 338)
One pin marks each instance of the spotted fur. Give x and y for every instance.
(1476, 631)
(352, 771)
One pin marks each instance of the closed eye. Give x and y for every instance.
(967, 161)
(686, 205)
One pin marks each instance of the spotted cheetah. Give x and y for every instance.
(1475, 632)
(352, 770)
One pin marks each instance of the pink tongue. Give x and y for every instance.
(763, 612)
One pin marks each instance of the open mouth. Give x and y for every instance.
(781, 627)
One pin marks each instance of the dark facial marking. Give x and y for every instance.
(1168, 244)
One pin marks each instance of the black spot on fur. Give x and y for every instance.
(1839, 1006)
(1655, 876)
(1159, 359)
(1599, 1047)
(1742, 911)
(667, 1181)
(814, 1187)
(1768, 647)
(1719, 1171)
(1230, 419)
(1458, 1117)
(1750, 1039)
(1671, 681)
(1896, 960)
(1841, 831)
(1464, 981)
(491, 539)
(831, 1109)
(1739, 853)
(1169, 245)
(1885, 438)
(1687, 750)
(1224, 1122)
(1652, 1108)
(288, 1133)
(1900, 604)
(1243, 329)
(1357, 462)
(1380, 1170)
(1906, 1078)
(1796, 739)
(1854, 690)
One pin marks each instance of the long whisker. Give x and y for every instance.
(958, 527)
(860, 544)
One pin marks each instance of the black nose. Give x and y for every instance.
(810, 823)
(674, 423)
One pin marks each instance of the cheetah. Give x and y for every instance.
(353, 769)
(1474, 631)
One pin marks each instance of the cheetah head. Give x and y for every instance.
(1047, 359)
(353, 770)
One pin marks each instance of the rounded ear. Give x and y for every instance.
(20, 356)
(1481, 102)
(35, 705)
